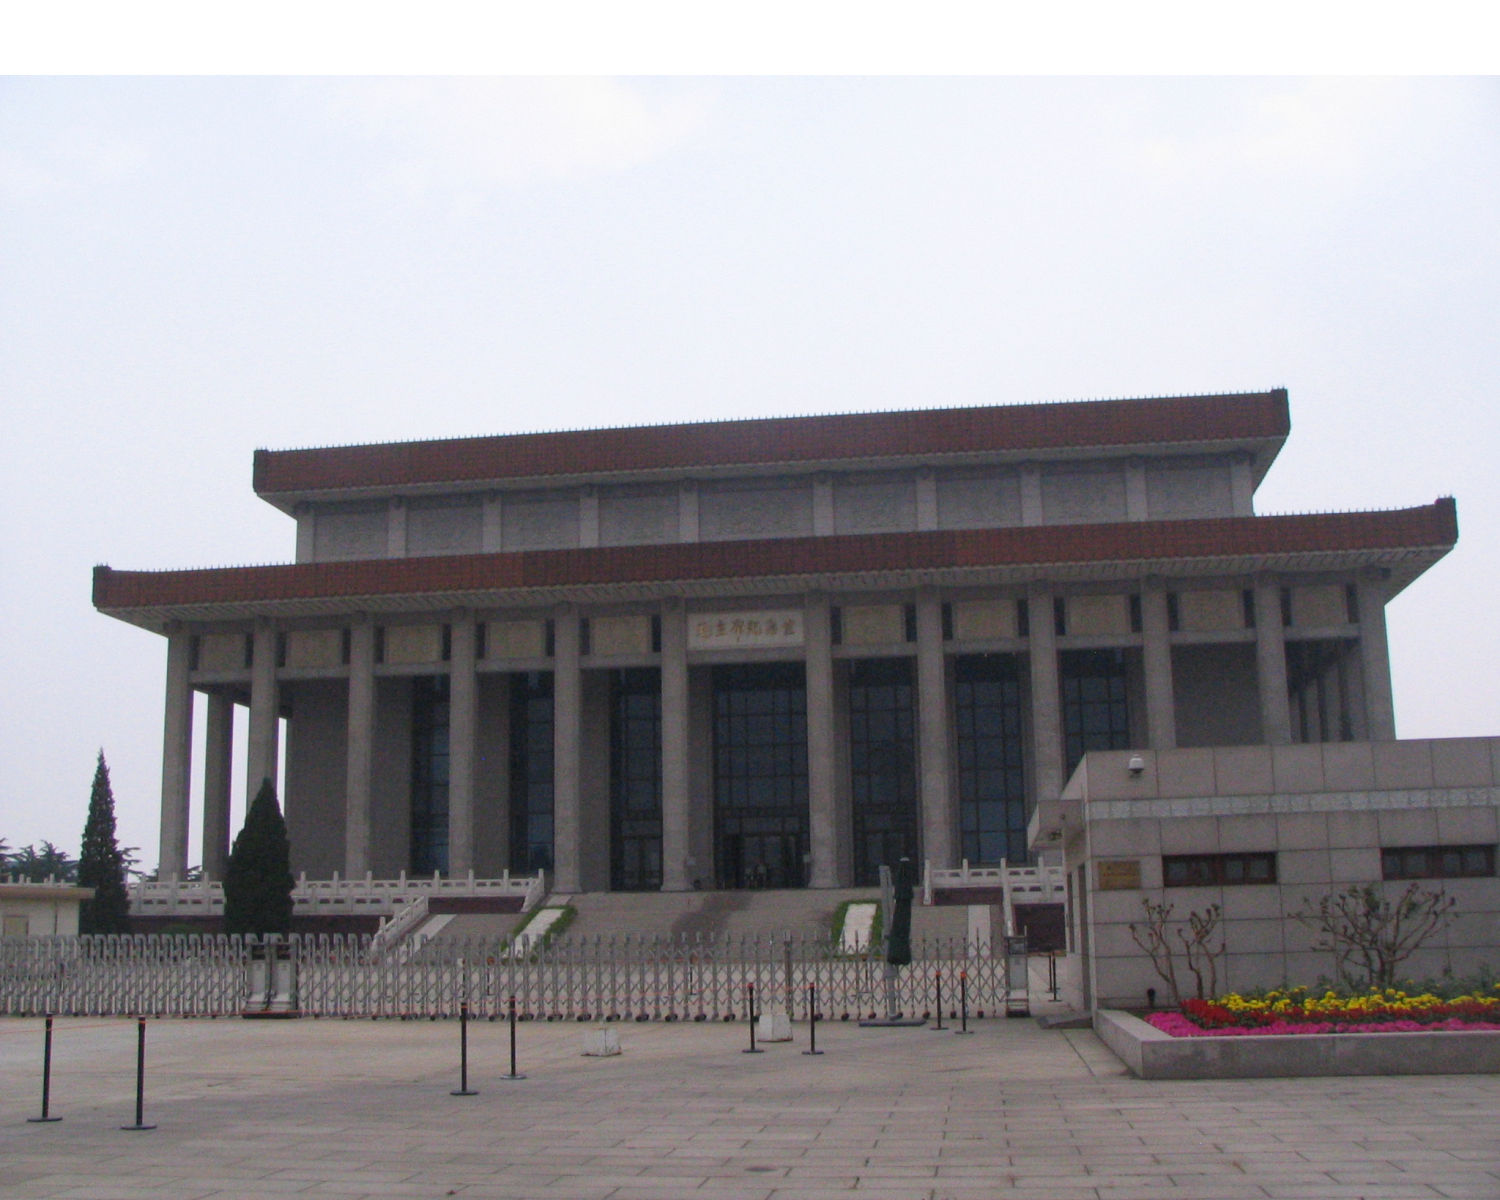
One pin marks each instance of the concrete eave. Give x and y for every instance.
(45, 891)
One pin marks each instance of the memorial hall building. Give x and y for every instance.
(762, 653)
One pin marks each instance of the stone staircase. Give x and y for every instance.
(803, 912)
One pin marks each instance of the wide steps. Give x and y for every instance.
(801, 912)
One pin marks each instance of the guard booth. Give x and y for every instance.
(1017, 978)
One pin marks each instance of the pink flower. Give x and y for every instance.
(1179, 1026)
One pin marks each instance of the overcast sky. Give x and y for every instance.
(194, 268)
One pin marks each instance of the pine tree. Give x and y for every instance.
(258, 882)
(101, 862)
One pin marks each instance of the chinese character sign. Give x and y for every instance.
(737, 630)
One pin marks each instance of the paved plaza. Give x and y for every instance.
(353, 1109)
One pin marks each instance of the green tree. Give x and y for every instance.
(38, 864)
(101, 862)
(258, 882)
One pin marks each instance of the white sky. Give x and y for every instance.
(191, 268)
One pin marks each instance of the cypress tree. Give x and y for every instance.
(101, 862)
(258, 882)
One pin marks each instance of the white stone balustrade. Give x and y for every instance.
(333, 897)
(1029, 885)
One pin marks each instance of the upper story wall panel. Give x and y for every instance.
(345, 531)
(444, 527)
(1190, 488)
(731, 512)
(979, 499)
(638, 517)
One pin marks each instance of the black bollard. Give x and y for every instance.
(937, 979)
(1052, 974)
(963, 1001)
(463, 1051)
(140, 1079)
(46, 1077)
(812, 1020)
(514, 1074)
(750, 1013)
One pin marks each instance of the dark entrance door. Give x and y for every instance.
(760, 775)
(762, 860)
(635, 780)
(882, 765)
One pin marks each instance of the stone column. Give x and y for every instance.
(359, 771)
(1270, 664)
(265, 709)
(1047, 743)
(588, 517)
(1031, 494)
(306, 532)
(395, 528)
(492, 524)
(567, 736)
(927, 499)
(676, 812)
(1137, 500)
(687, 511)
(825, 521)
(177, 756)
(939, 813)
(1156, 648)
(462, 701)
(218, 770)
(1375, 663)
(1242, 486)
(822, 800)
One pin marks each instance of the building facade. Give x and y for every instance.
(769, 653)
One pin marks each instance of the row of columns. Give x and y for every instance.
(828, 829)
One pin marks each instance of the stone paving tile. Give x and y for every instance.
(361, 1109)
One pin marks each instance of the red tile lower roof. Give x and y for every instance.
(1432, 527)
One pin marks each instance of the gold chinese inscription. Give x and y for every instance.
(722, 631)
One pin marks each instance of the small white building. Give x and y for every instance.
(1263, 832)
(41, 909)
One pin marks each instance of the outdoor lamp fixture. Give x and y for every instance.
(1137, 765)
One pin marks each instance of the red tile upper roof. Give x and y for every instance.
(1418, 535)
(1030, 428)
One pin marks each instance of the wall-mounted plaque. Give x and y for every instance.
(1120, 874)
(744, 630)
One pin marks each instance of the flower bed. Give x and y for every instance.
(1295, 1011)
